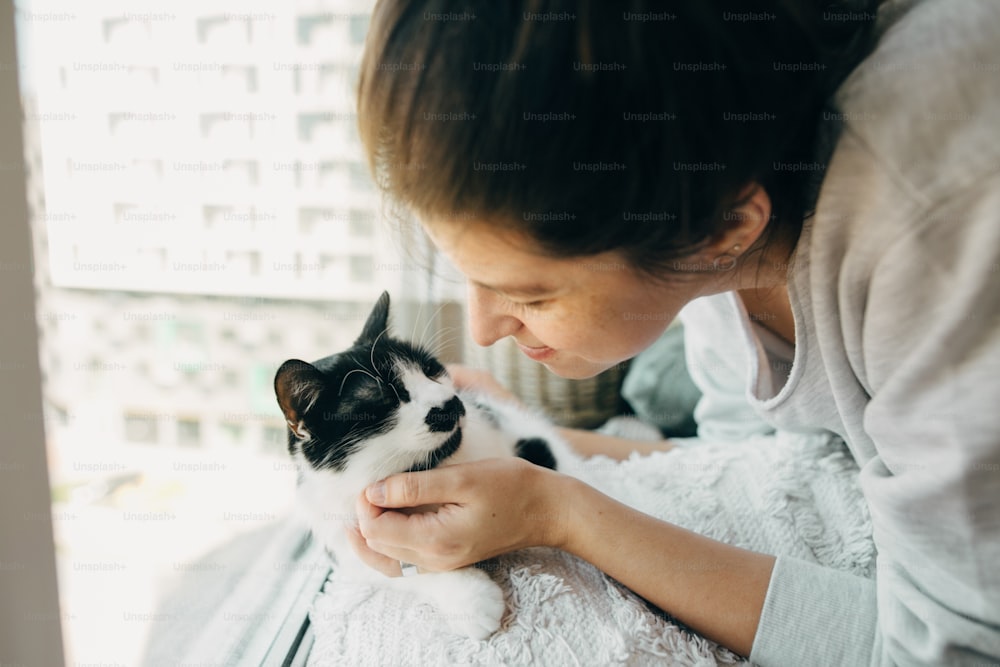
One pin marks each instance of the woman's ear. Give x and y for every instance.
(744, 223)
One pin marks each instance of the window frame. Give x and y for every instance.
(278, 632)
(31, 628)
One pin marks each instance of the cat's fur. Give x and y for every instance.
(386, 406)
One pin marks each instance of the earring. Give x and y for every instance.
(724, 262)
(727, 261)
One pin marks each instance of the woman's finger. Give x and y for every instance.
(388, 566)
(373, 555)
(443, 485)
(368, 513)
(365, 510)
(409, 537)
(387, 529)
(381, 557)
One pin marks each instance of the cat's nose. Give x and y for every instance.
(445, 417)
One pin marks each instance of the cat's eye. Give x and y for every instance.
(432, 370)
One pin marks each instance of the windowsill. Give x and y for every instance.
(260, 617)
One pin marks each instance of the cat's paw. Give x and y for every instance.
(475, 607)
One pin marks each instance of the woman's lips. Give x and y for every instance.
(537, 353)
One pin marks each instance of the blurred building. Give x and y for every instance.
(202, 208)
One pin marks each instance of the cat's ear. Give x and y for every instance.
(378, 321)
(297, 384)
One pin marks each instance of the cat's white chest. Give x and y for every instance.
(468, 600)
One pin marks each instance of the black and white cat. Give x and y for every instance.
(387, 406)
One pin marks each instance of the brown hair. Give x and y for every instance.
(595, 126)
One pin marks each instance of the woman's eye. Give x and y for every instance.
(530, 305)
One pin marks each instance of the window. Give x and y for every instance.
(224, 29)
(362, 269)
(243, 172)
(359, 28)
(311, 123)
(242, 79)
(142, 429)
(232, 432)
(360, 179)
(195, 225)
(226, 127)
(123, 30)
(188, 432)
(309, 24)
(362, 224)
(275, 438)
(246, 263)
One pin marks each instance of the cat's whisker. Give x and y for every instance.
(440, 332)
(416, 320)
(430, 321)
(442, 346)
(372, 355)
(392, 465)
(356, 370)
(436, 336)
(444, 338)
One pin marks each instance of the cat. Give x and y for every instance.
(386, 406)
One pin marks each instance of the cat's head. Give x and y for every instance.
(380, 407)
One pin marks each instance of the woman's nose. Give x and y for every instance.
(487, 321)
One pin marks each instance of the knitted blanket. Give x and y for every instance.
(781, 494)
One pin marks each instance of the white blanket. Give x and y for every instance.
(783, 494)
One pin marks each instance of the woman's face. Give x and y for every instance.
(577, 316)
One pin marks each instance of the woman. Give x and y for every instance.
(821, 185)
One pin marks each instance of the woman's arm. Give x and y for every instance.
(498, 505)
(714, 588)
(589, 443)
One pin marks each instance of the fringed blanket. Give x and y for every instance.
(783, 494)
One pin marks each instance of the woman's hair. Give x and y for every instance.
(595, 125)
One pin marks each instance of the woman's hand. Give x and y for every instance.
(479, 380)
(484, 508)
(494, 506)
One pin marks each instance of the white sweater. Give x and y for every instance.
(895, 290)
